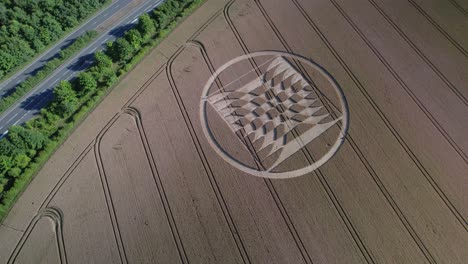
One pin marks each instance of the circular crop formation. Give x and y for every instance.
(277, 105)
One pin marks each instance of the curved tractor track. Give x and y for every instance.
(147, 185)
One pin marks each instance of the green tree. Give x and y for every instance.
(161, 19)
(31, 153)
(174, 6)
(37, 44)
(28, 33)
(5, 163)
(111, 51)
(134, 38)
(20, 15)
(47, 123)
(3, 14)
(33, 139)
(21, 161)
(6, 148)
(7, 61)
(48, 5)
(108, 76)
(35, 19)
(45, 36)
(14, 28)
(86, 82)
(123, 49)
(19, 49)
(63, 91)
(16, 140)
(65, 99)
(53, 26)
(14, 172)
(146, 26)
(3, 182)
(102, 60)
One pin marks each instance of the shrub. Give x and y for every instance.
(21, 161)
(5, 163)
(86, 83)
(65, 99)
(14, 172)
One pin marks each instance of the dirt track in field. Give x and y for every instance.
(139, 182)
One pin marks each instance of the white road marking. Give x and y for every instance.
(94, 49)
(135, 20)
(12, 117)
(21, 118)
(28, 104)
(9, 81)
(40, 101)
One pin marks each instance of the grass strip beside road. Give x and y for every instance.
(30, 82)
(10, 191)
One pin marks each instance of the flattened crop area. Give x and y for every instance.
(170, 177)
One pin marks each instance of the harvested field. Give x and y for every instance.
(160, 173)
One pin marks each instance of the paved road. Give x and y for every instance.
(91, 24)
(31, 104)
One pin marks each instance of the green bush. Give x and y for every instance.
(14, 172)
(21, 161)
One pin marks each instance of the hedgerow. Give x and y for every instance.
(38, 139)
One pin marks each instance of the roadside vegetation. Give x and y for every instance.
(46, 70)
(25, 149)
(28, 27)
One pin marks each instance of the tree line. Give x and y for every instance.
(30, 82)
(28, 26)
(27, 147)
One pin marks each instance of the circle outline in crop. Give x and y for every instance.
(263, 173)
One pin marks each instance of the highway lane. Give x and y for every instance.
(31, 104)
(91, 24)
